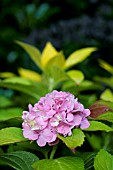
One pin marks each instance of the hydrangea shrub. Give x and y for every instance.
(57, 120)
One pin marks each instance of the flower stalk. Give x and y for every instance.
(53, 152)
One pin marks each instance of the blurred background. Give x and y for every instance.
(68, 24)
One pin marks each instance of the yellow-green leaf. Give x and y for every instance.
(95, 126)
(48, 53)
(106, 66)
(108, 116)
(78, 56)
(6, 74)
(55, 76)
(103, 161)
(105, 80)
(18, 80)
(10, 113)
(11, 135)
(76, 139)
(76, 75)
(29, 74)
(107, 95)
(62, 163)
(58, 60)
(33, 52)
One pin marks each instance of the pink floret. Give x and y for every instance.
(56, 113)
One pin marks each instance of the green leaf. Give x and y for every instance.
(18, 80)
(105, 80)
(55, 76)
(32, 147)
(35, 90)
(106, 66)
(76, 139)
(33, 52)
(19, 160)
(88, 85)
(29, 74)
(88, 158)
(5, 102)
(10, 113)
(78, 56)
(63, 163)
(11, 135)
(87, 99)
(103, 161)
(107, 95)
(95, 126)
(108, 116)
(48, 53)
(83, 86)
(76, 75)
(95, 141)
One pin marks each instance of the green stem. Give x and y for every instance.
(46, 155)
(53, 152)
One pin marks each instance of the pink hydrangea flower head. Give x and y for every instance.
(56, 113)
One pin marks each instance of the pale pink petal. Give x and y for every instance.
(51, 113)
(32, 116)
(70, 117)
(77, 119)
(25, 115)
(78, 107)
(30, 134)
(30, 107)
(40, 123)
(54, 122)
(84, 124)
(41, 141)
(63, 129)
(50, 137)
(87, 112)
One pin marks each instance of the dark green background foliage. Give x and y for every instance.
(67, 24)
